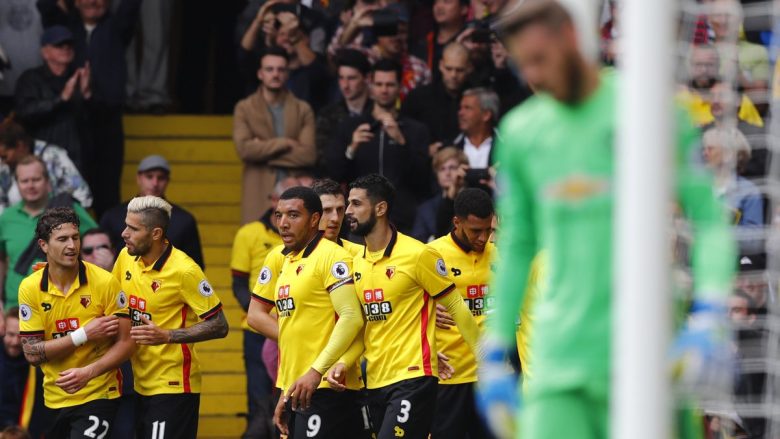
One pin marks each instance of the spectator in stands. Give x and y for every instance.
(436, 105)
(725, 150)
(355, 21)
(273, 132)
(263, 30)
(391, 43)
(490, 65)
(749, 385)
(100, 38)
(14, 369)
(752, 59)
(704, 68)
(96, 248)
(387, 143)
(19, 249)
(353, 70)
(251, 245)
(64, 177)
(477, 119)
(51, 99)
(447, 164)
(152, 178)
(20, 35)
(450, 18)
(147, 76)
(309, 78)
(753, 281)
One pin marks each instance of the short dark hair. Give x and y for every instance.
(311, 201)
(388, 65)
(377, 187)
(53, 218)
(274, 51)
(521, 15)
(326, 186)
(12, 312)
(95, 231)
(353, 58)
(473, 201)
(12, 133)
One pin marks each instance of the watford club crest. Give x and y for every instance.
(299, 269)
(85, 301)
(156, 284)
(390, 272)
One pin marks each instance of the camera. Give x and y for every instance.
(385, 23)
(483, 32)
(474, 177)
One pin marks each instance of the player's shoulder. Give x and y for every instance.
(249, 230)
(97, 274)
(32, 283)
(124, 257)
(441, 244)
(353, 248)
(178, 260)
(406, 245)
(331, 250)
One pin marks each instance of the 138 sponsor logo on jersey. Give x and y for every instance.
(376, 308)
(285, 305)
(477, 299)
(64, 327)
(137, 307)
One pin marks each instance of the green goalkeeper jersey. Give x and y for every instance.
(557, 167)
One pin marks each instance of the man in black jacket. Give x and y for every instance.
(385, 143)
(352, 70)
(153, 177)
(436, 104)
(100, 38)
(51, 99)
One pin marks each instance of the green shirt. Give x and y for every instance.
(17, 229)
(557, 194)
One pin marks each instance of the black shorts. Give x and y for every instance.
(404, 409)
(332, 415)
(456, 414)
(167, 416)
(89, 420)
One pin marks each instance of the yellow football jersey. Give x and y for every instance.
(396, 287)
(251, 245)
(45, 311)
(299, 286)
(351, 247)
(471, 273)
(173, 293)
(534, 288)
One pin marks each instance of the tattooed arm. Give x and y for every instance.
(37, 350)
(151, 334)
(215, 327)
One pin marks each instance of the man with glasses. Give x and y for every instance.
(96, 248)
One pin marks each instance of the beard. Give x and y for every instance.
(140, 249)
(365, 228)
(575, 81)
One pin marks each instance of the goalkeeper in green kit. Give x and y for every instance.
(557, 158)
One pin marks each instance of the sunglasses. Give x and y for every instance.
(88, 250)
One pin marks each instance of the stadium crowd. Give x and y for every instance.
(369, 125)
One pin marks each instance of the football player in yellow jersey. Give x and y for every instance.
(251, 245)
(334, 206)
(172, 307)
(469, 255)
(319, 317)
(74, 325)
(398, 280)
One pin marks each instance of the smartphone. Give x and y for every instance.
(475, 176)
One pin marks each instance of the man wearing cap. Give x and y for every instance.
(154, 173)
(50, 99)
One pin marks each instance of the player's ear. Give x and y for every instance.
(157, 233)
(455, 221)
(380, 209)
(314, 221)
(43, 245)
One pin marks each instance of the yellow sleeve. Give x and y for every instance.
(432, 273)
(463, 319)
(266, 280)
(198, 293)
(347, 327)
(115, 299)
(30, 317)
(355, 350)
(240, 256)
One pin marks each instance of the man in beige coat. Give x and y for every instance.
(274, 135)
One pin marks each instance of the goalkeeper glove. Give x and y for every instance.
(497, 390)
(702, 354)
